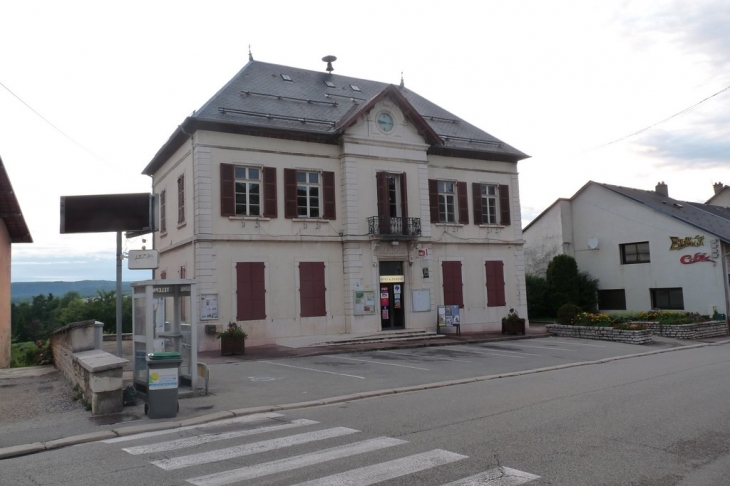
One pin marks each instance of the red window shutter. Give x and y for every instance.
(250, 291)
(270, 209)
(504, 206)
(228, 183)
(476, 194)
(312, 289)
(163, 212)
(452, 283)
(290, 193)
(433, 199)
(381, 180)
(463, 202)
(328, 183)
(404, 199)
(181, 199)
(495, 284)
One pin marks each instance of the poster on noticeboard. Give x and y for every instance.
(448, 316)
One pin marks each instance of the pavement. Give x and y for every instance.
(229, 396)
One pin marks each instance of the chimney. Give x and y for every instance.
(718, 187)
(662, 189)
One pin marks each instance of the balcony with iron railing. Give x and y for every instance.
(394, 228)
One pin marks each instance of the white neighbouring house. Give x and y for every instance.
(306, 203)
(648, 251)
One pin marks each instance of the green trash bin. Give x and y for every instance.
(163, 374)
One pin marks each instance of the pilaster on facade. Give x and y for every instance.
(515, 206)
(519, 259)
(203, 190)
(352, 269)
(349, 194)
(205, 266)
(423, 207)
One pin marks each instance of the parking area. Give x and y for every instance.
(286, 380)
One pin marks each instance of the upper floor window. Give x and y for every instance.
(490, 203)
(447, 201)
(248, 191)
(635, 253)
(308, 194)
(163, 212)
(181, 199)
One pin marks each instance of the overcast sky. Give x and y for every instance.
(91, 90)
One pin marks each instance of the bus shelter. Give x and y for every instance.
(157, 313)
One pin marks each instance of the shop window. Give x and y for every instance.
(452, 283)
(312, 289)
(669, 298)
(634, 253)
(495, 284)
(250, 291)
(612, 299)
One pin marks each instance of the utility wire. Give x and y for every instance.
(683, 112)
(54, 126)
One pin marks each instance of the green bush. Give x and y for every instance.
(22, 354)
(567, 313)
(562, 282)
(536, 296)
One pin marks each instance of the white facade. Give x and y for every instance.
(208, 247)
(602, 221)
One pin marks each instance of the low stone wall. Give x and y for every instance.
(77, 354)
(696, 330)
(604, 333)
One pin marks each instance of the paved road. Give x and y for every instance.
(658, 420)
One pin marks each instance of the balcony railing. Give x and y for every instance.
(393, 227)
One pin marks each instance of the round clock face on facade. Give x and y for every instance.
(385, 122)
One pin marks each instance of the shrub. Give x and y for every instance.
(536, 296)
(587, 289)
(562, 282)
(567, 313)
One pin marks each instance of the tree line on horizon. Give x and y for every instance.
(37, 319)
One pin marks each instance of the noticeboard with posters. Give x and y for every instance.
(448, 316)
(364, 302)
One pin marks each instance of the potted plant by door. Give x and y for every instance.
(233, 340)
(513, 323)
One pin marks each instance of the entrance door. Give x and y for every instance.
(392, 293)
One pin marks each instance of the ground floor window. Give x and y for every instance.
(669, 298)
(312, 289)
(495, 284)
(451, 272)
(612, 299)
(250, 291)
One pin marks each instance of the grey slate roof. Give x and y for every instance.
(259, 98)
(711, 219)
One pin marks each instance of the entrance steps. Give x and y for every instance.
(360, 338)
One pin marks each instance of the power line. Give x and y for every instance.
(683, 112)
(52, 125)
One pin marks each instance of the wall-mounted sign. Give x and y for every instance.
(686, 242)
(423, 252)
(143, 259)
(208, 306)
(392, 278)
(697, 257)
(364, 302)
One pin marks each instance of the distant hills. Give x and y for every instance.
(25, 291)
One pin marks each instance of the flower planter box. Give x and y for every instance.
(232, 345)
(514, 326)
(642, 336)
(695, 330)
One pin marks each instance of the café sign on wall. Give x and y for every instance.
(687, 242)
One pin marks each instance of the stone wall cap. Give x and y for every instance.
(96, 360)
(73, 325)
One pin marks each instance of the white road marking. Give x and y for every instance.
(382, 363)
(172, 445)
(488, 353)
(544, 347)
(415, 356)
(578, 344)
(367, 475)
(249, 449)
(236, 420)
(500, 476)
(312, 369)
(296, 462)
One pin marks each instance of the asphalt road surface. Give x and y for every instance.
(659, 420)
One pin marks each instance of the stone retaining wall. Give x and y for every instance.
(605, 333)
(696, 330)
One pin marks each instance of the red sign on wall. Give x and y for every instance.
(697, 257)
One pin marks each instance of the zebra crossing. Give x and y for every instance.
(253, 426)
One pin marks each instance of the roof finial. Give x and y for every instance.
(250, 56)
(402, 84)
(329, 60)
